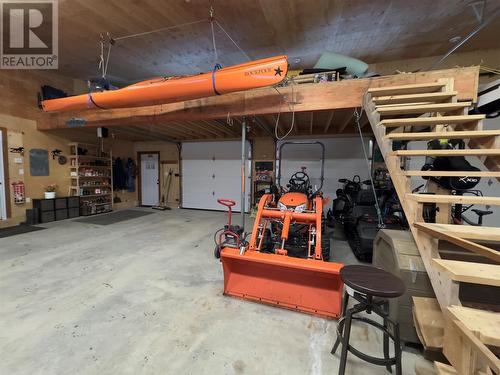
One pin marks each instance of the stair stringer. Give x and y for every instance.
(445, 289)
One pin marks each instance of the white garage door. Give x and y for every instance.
(343, 158)
(211, 170)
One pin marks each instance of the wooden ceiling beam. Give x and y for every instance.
(152, 135)
(169, 132)
(177, 129)
(207, 128)
(364, 121)
(328, 122)
(133, 134)
(311, 97)
(311, 123)
(194, 129)
(347, 121)
(221, 127)
(264, 126)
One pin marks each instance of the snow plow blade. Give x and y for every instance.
(306, 285)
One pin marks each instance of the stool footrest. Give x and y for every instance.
(365, 357)
(369, 304)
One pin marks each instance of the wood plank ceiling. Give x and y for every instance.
(306, 124)
(372, 30)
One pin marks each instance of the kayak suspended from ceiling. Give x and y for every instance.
(250, 75)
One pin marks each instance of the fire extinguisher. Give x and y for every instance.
(19, 192)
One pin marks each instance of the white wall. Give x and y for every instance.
(489, 186)
(3, 208)
(343, 159)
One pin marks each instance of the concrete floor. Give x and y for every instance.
(144, 296)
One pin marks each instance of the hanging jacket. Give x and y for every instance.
(119, 176)
(131, 172)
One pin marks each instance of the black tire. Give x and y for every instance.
(267, 243)
(355, 244)
(217, 252)
(330, 220)
(325, 242)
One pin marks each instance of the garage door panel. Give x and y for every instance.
(211, 170)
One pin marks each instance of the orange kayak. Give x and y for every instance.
(254, 74)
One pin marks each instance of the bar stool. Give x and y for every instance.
(371, 287)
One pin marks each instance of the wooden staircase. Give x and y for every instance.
(422, 112)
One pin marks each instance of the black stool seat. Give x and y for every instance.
(371, 287)
(372, 281)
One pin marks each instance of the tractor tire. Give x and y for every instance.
(325, 242)
(217, 252)
(330, 221)
(267, 242)
(325, 248)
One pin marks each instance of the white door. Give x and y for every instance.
(3, 206)
(212, 170)
(150, 188)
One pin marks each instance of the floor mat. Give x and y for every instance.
(18, 229)
(114, 217)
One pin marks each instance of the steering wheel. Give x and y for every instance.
(299, 181)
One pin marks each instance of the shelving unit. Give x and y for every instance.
(262, 178)
(91, 174)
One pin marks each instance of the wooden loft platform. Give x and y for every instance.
(321, 109)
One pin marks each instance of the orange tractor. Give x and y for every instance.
(285, 262)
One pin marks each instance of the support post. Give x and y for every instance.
(243, 174)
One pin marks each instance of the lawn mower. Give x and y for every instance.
(285, 262)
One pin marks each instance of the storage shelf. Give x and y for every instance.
(92, 166)
(94, 195)
(89, 157)
(89, 203)
(75, 177)
(94, 186)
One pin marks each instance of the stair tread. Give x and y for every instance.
(485, 324)
(433, 96)
(459, 152)
(467, 231)
(422, 108)
(459, 241)
(468, 272)
(463, 199)
(444, 369)
(452, 173)
(409, 89)
(429, 321)
(427, 121)
(465, 134)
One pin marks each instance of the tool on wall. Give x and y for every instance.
(17, 150)
(61, 159)
(166, 183)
